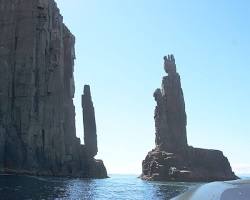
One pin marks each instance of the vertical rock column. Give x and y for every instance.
(173, 159)
(89, 124)
(170, 115)
(2, 144)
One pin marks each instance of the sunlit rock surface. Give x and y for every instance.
(37, 115)
(172, 159)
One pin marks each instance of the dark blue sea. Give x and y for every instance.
(127, 187)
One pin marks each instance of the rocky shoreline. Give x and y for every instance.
(99, 173)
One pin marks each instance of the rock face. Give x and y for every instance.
(172, 159)
(37, 114)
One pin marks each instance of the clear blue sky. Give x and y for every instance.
(120, 46)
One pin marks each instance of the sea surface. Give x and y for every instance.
(127, 187)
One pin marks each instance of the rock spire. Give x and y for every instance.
(89, 124)
(172, 159)
(170, 115)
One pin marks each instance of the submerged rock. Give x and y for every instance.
(172, 159)
(37, 114)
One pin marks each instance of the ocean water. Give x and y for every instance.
(127, 187)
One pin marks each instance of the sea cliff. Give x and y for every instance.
(37, 114)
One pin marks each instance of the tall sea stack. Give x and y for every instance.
(94, 166)
(170, 116)
(172, 159)
(89, 124)
(37, 114)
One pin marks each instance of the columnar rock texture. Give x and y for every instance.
(172, 159)
(90, 136)
(89, 124)
(170, 116)
(37, 114)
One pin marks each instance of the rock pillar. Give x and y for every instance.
(172, 159)
(170, 115)
(89, 124)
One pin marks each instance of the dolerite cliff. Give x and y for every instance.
(172, 159)
(37, 114)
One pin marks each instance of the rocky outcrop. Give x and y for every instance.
(37, 114)
(172, 159)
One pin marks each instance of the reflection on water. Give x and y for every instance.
(117, 187)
